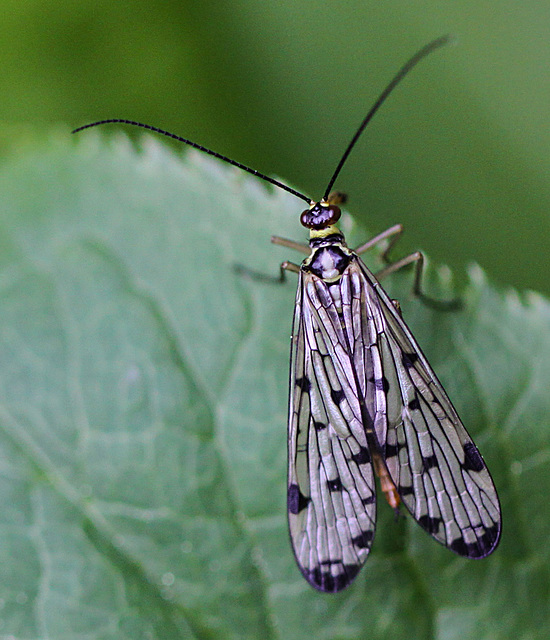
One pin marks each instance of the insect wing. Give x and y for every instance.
(331, 489)
(438, 471)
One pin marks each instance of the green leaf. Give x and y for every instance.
(143, 410)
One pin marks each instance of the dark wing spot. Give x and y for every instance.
(429, 462)
(296, 500)
(364, 540)
(409, 359)
(335, 485)
(325, 581)
(370, 500)
(489, 540)
(382, 384)
(337, 395)
(391, 450)
(414, 404)
(481, 548)
(429, 524)
(321, 580)
(362, 456)
(304, 384)
(472, 458)
(460, 547)
(319, 426)
(406, 491)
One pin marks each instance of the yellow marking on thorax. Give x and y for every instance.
(323, 233)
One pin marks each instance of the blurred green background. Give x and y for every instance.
(460, 154)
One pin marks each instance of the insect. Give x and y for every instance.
(364, 402)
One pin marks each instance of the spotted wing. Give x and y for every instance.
(331, 490)
(437, 469)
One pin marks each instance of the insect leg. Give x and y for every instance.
(285, 266)
(337, 197)
(264, 277)
(397, 307)
(288, 266)
(394, 231)
(291, 244)
(418, 259)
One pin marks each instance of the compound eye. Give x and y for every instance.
(320, 216)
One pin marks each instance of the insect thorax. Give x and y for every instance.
(329, 258)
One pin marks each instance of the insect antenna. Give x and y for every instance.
(200, 148)
(418, 56)
(422, 53)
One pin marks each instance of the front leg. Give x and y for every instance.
(264, 277)
(291, 244)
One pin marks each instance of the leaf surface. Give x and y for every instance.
(143, 418)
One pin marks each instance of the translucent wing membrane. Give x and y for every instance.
(331, 491)
(361, 388)
(438, 471)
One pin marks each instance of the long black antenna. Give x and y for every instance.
(426, 50)
(200, 148)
